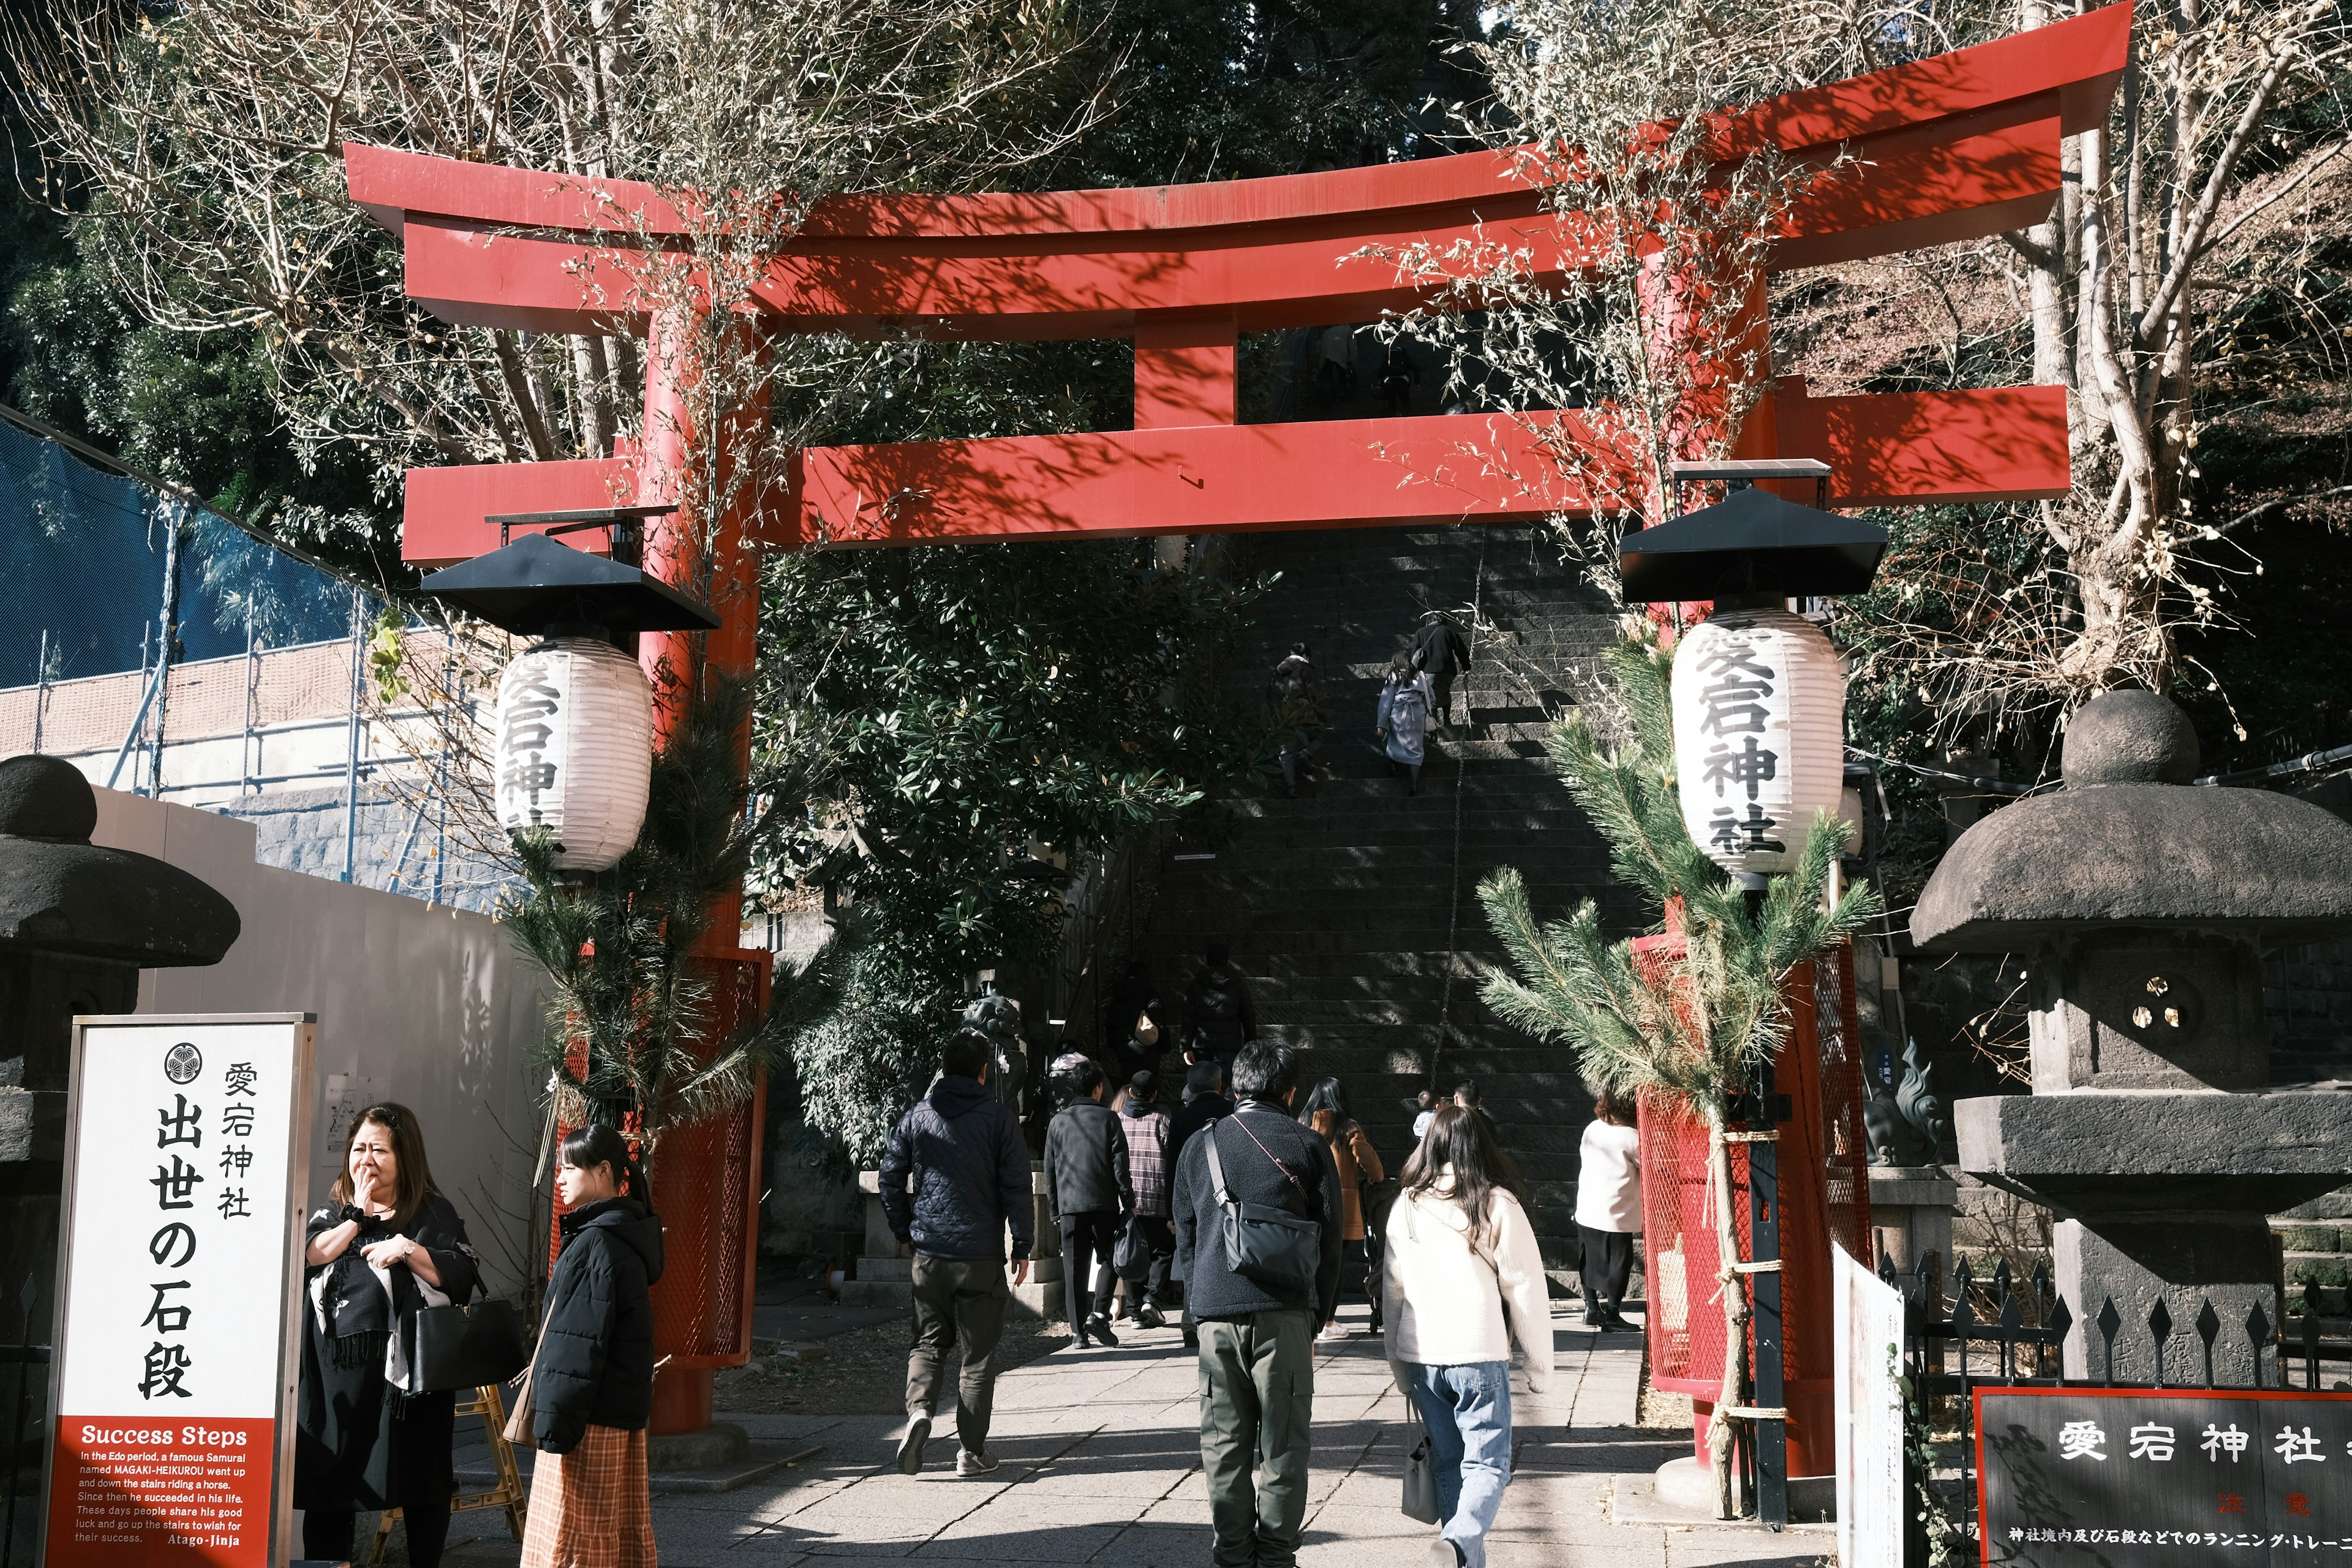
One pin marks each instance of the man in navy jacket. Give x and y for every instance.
(956, 1175)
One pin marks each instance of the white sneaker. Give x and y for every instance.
(1332, 1331)
(910, 1446)
(970, 1464)
(1443, 1553)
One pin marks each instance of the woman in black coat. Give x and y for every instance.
(386, 1245)
(592, 1381)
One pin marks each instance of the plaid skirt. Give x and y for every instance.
(591, 1508)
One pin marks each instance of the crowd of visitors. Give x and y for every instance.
(1255, 1201)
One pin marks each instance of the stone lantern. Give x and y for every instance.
(2140, 908)
(77, 925)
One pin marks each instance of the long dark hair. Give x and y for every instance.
(591, 1146)
(1458, 1141)
(1329, 1094)
(412, 1178)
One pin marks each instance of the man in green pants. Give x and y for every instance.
(1257, 1362)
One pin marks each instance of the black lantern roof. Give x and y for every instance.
(1751, 542)
(535, 583)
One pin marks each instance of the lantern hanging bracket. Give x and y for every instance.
(1740, 473)
(624, 526)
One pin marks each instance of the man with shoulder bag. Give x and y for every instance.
(1257, 1238)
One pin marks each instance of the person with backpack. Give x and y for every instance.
(591, 1378)
(1219, 1016)
(1464, 1276)
(1440, 652)
(1146, 1127)
(954, 1176)
(1359, 1165)
(1401, 725)
(1295, 696)
(1257, 1237)
(1089, 1193)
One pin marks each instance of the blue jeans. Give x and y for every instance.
(1468, 1411)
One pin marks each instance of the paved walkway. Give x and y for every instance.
(1101, 1467)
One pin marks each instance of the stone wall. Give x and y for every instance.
(303, 830)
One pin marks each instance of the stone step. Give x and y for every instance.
(1352, 906)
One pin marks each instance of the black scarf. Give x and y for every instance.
(357, 1305)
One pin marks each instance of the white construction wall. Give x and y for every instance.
(427, 1005)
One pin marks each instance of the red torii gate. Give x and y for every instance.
(1957, 147)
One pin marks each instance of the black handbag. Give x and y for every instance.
(466, 1347)
(1131, 1258)
(1272, 1249)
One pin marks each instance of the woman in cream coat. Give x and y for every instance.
(1463, 1279)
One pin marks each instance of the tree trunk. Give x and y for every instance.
(1721, 1430)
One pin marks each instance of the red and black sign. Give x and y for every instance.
(2122, 1478)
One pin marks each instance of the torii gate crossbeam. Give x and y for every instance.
(1952, 148)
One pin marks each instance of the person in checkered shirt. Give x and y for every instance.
(1146, 1126)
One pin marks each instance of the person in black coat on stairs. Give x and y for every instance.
(1090, 1192)
(1440, 652)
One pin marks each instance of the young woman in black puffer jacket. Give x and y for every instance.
(592, 1383)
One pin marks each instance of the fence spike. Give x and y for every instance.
(2208, 1325)
(2060, 1319)
(2041, 1283)
(2159, 1329)
(2110, 1322)
(2258, 1329)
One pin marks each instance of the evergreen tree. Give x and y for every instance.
(1688, 1031)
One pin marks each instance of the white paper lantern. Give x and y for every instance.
(1760, 735)
(575, 735)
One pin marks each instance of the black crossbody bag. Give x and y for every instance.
(1270, 1247)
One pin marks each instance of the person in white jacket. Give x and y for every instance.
(1463, 1279)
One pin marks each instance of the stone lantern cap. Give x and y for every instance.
(2127, 843)
(61, 894)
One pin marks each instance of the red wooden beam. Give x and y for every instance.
(443, 509)
(1953, 148)
(1998, 444)
(1285, 275)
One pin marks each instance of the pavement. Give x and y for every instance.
(1101, 1467)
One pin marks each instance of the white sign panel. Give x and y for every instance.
(185, 1177)
(1869, 1369)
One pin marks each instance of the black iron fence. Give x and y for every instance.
(2002, 1331)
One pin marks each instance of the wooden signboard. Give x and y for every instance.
(2111, 1478)
(186, 1165)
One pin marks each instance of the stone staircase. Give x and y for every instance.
(1353, 909)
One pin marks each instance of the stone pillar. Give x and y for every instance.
(1911, 1209)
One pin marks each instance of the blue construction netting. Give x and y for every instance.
(82, 560)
